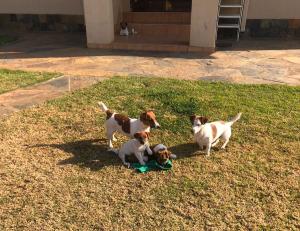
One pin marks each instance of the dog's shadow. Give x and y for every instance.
(188, 150)
(92, 154)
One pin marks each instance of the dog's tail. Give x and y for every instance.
(103, 107)
(234, 119)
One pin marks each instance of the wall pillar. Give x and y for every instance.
(99, 20)
(126, 5)
(203, 24)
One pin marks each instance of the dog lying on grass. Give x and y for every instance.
(160, 154)
(208, 135)
(136, 146)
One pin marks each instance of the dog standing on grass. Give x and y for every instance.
(208, 135)
(127, 126)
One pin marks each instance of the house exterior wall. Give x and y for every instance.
(68, 7)
(99, 20)
(203, 23)
(102, 17)
(274, 9)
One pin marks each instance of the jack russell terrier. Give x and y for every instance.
(124, 29)
(136, 146)
(127, 126)
(161, 154)
(207, 135)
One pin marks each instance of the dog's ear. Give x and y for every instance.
(137, 135)
(143, 116)
(203, 119)
(192, 118)
(148, 134)
(169, 154)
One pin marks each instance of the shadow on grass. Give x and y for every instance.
(189, 150)
(90, 154)
(93, 154)
(185, 150)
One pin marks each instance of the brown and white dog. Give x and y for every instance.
(124, 29)
(127, 126)
(161, 154)
(207, 135)
(136, 146)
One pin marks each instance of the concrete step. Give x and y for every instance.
(157, 17)
(176, 32)
(181, 48)
(148, 43)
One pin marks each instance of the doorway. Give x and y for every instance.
(161, 5)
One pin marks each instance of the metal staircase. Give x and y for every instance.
(230, 16)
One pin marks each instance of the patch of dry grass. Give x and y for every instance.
(56, 174)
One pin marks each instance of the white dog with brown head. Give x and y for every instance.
(136, 146)
(127, 126)
(207, 135)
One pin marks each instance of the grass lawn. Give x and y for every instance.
(57, 175)
(11, 80)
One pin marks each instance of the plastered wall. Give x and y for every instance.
(69, 7)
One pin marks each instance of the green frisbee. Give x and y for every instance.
(152, 166)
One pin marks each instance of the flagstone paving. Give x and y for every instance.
(250, 61)
(27, 97)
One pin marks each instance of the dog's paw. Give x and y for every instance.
(145, 158)
(142, 163)
(173, 156)
(127, 164)
(207, 155)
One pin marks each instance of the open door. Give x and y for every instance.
(161, 5)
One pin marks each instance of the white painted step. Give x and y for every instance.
(231, 6)
(237, 26)
(236, 16)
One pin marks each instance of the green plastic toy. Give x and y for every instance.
(151, 166)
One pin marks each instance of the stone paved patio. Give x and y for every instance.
(27, 97)
(252, 61)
